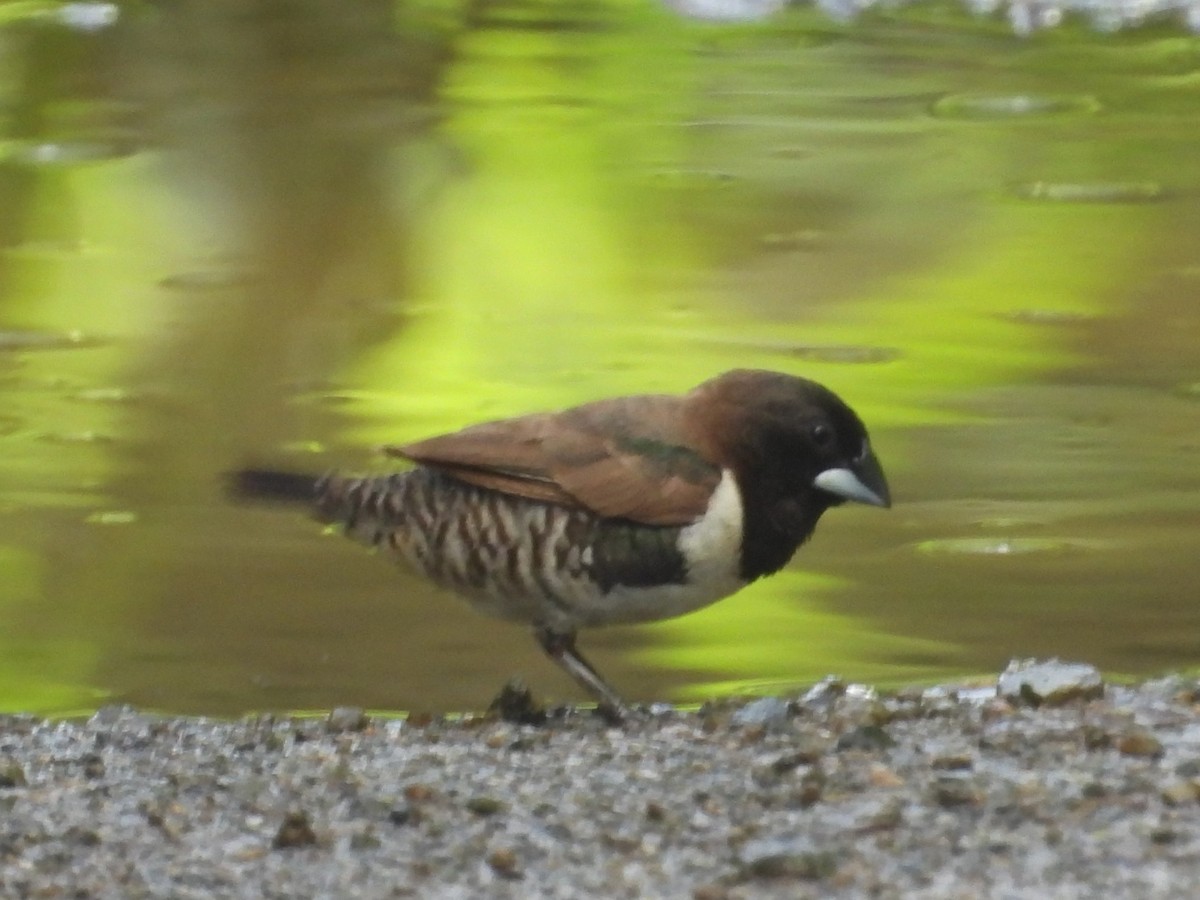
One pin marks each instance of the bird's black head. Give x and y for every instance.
(795, 448)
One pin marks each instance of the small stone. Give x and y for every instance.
(1164, 834)
(882, 777)
(996, 708)
(1051, 682)
(296, 831)
(418, 793)
(655, 812)
(812, 787)
(1096, 738)
(955, 790)
(85, 837)
(485, 806)
(402, 814)
(1138, 741)
(156, 817)
(785, 858)
(954, 761)
(504, 863)
(752, 735)
(777, 767)
(1094, 790)
(825, 692)
(868, 738)
(346, 718)
(808, 748)
(623, 841)
(1181, 793)
(764, 712)
(93, 766)
(515, 703)
(888, 815)
(712, 720)
(1189, 693)
(12, 775)
(107, 716)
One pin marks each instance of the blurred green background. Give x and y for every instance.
(239, 232)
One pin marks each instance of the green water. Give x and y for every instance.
(294, 235)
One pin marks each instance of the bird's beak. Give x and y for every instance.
(862, 481)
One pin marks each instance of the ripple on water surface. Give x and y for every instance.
(1191, 390)
(112, 517)
(985, 107)
(215, 277)
(1009, 546)
(1090, 191)
(1044, 316)
(45, 154)
(22, 341)
(847, 354)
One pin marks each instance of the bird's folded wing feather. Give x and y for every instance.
(618, 458)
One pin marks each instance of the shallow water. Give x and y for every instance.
(230, 237)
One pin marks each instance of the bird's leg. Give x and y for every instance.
(560, 647)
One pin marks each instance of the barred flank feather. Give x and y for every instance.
(513, 557)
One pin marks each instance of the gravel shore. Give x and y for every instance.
(841, 792)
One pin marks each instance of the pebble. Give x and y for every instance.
(882, 777)
(762, 712)
(296, 831)
(402, 814)
(1179, 793)
(346, 718)
(1050, 681)
(515, 703)
(797, 857)
(953, 760)
(504, 863)
(955, 790)
(485, 806)
(886, 815)
(12, 775)
(867, 738)
(1138, 741)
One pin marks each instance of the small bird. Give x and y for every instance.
(630, 509)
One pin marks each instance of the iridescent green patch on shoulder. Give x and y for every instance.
(671, 459)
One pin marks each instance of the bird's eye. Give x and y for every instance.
(822, 434)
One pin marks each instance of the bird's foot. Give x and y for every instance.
(560, 647)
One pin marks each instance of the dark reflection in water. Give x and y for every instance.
(284, 157)
(276, 129)
(223, 223)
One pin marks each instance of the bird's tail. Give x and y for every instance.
(364, 507)
(274, 486)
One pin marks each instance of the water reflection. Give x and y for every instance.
(326, 228)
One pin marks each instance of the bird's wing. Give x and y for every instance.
(623, 458)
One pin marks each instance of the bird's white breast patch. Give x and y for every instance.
(712, 549)
(712, 545)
